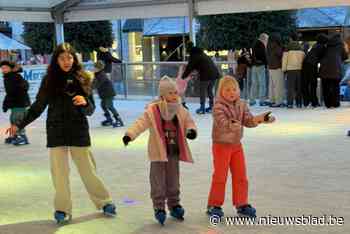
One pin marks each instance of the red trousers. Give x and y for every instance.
(227, 157)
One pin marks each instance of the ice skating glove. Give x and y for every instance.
(267, 116)
(191, 134)
(126, 140)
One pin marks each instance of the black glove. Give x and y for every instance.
(126, 140)
(4, 109)
(191, 134)
(267, 116)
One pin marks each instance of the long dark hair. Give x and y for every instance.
(55, 83)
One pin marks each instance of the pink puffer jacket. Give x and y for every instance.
(229, 119)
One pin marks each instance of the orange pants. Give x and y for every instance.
(228, 157)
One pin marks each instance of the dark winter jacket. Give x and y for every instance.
(66, 124)
(103, 85)
(274, 53)
(16, 89)
(332, 61)
(315, 54)
(108, 59)
(259, 54)
(203, 64)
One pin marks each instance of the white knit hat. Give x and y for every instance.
(264, 38)
(166, 85)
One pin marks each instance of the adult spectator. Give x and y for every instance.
(310, 71)
(274, 59)
(259, 63)
(330, 70)
(292, 64)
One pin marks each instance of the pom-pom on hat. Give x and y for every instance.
(166, 85)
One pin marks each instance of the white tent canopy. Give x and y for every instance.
(7, 43)
(87, 10)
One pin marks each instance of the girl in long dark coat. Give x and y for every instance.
(66, 90)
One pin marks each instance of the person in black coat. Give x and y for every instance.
(310, 71)
(107, 58)
(330, 70)
(258, 72)
(274, 54)
(243, 62)
(208, 74)
(16, 99)
(106, 92)
(66, 90)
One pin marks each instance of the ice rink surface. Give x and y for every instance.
(298, 166)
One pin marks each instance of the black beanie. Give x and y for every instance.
(7, 63)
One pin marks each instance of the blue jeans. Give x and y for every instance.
(258, 84)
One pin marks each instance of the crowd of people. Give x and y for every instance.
(279, 75)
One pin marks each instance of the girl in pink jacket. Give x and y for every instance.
(169, 124)
(230, 116)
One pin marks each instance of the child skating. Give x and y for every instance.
(66, 90)
(169, 124)
(230, 115)
(16, 99)
(106, 93)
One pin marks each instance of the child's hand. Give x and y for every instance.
(268, 118)
(263, 118)
(11, 131)
(191, 134)
(126, 140)
(79, 101)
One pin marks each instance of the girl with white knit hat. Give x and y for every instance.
(169, 124)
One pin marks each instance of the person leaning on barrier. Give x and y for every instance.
(208, 74)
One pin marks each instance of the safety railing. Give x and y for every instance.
(142, 78)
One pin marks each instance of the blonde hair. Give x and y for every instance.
(225, 81)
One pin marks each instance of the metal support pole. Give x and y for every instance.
(59, 28)
(123, 66)
(184, 41)
(153, 87)
(191, 14)
(57, 14)
(125, 77)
